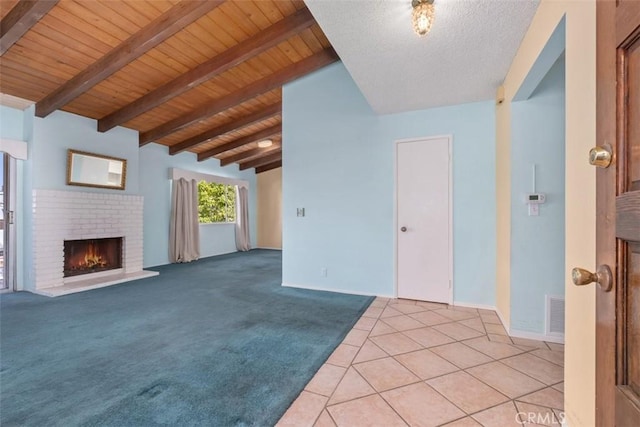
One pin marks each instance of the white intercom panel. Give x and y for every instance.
(536, 198)
(533, 201)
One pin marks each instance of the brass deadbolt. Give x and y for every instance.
(601, 156)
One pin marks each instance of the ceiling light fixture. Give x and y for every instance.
(422, 16)
(265, 143)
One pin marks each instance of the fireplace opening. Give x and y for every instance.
(92, 256)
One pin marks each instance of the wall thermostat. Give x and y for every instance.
(535, 198)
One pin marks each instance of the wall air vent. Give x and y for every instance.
(555, 315)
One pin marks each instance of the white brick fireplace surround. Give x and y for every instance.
(73, 215)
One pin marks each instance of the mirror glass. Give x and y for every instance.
(95, 170)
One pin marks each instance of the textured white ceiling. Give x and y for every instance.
(463, 59)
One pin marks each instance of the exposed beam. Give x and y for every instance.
(20, 19)
(247, 155)
(157, 31)
(264, 114)
(268, 167)
(248, 92)
(263, 134)
(261, 161)
(228, 59)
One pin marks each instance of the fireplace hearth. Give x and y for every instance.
(92, 256)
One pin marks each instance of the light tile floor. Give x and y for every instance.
(424, 364)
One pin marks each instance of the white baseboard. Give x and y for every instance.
(514, 332)
(340, 291)
(472, 305)
(536, 336)
(505, 324)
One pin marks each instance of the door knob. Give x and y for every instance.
(403, 229)
(601, 156)
(603, 277)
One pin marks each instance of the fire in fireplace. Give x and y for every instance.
(92, 256)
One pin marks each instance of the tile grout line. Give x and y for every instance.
(340, 380)
(533, 354)
(421, 380)
(460, 368)
(371, 385)
(515, 369)
(536, 404)
(509, 397)
(476, 315)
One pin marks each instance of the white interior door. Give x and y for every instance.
(424, 219)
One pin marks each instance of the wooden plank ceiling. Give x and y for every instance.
(203, 76)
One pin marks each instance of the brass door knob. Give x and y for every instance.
(603, 277)
(601, 156)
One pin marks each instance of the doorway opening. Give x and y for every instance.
(7, 230)
(538, 204)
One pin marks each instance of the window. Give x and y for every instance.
(216, 202)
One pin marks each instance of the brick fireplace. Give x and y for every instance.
(62, 217)
(88, 256)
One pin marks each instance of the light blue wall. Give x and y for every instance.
(339, 165)
(60, 131)
(215, 239)
(335, 166)
(11, 123)
(48, 140)
(147, 175)
(537, 243)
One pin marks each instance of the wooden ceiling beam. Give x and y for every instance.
(268, 167)
(157, 31)
(266, 84)
(261, 161)
(264, 114)
(263, 134)
(20, 19)
(245, 155)
(270, 37)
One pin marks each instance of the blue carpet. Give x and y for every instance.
(217, 342)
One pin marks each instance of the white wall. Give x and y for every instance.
(339, 165)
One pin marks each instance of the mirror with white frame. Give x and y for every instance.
(95, 170)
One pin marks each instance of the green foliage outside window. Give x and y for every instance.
(216, 202)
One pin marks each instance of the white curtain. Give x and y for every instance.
(242, 219)
(184, 237)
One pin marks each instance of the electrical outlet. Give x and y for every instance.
(323, 272)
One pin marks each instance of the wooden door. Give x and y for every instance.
(618, 213)
(424, 219)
